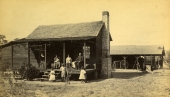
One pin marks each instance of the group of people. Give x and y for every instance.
(66, 73)
(66, 70)
(77, 65)
(63, 73)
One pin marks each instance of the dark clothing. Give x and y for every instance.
(161, 63)
(141, 62)
(79, 60)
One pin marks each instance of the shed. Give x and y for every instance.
(132, 54)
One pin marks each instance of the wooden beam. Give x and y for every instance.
(12, 49)
(158, 62)
(64, 53)
(124, 59)
(144, 62)
(84, 54)
(28, 54)
(137, 63)
(45, 56)
(151, 60)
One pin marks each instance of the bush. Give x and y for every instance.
(4, 66)
(29, 72)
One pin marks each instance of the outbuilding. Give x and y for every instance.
(137, 56)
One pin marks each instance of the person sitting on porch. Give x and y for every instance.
(73, 64)
(63, 72)
(56, 62)
(68, 61)
(79, 59)
(52, 75)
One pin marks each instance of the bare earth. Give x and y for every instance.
(155, 84)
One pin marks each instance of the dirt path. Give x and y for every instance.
(156, 84)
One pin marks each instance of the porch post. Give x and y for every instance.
(137, 63)
(12, 49)
(84, 54)
(45, 56)
(151, 62)
(158, 63)
(124, 59)
(28, 54)
(144, 63)
(64, 53)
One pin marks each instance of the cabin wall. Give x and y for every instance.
(20, 56)
(6, 57)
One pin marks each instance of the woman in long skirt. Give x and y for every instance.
(52, 75)
(82, 76)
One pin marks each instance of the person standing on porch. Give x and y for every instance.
(68, 61)
(82, 76)
(63, 72)
(78, 60)
(56, 62)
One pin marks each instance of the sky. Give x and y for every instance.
(132, 22)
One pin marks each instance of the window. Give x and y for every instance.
(87, 48)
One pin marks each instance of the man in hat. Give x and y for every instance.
(79, 59)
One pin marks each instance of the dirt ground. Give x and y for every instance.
(155, 84)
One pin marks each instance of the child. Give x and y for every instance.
(52, 75)
(82, 76)
(63, 72)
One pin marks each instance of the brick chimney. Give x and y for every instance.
(106, 35)
(105, 19)
(106, 59)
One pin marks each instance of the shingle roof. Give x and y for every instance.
(79, 30)
(136, 50)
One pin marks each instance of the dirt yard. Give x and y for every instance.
(155, 84)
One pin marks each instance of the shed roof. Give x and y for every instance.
(137, 50)
(67, 31)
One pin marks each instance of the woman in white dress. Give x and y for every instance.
(63, 72)
(82, 76)
(52, 75)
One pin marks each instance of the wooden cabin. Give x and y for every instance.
(91, 39)
(131, 55)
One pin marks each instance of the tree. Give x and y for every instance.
(2, 40)
(167, 57)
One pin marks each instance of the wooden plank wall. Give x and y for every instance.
(20, 56)
(6, 56)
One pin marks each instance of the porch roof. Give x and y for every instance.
(137, 50)
(78, 31)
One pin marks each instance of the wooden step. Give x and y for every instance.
(46, 73)
(45, 76)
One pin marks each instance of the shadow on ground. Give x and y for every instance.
(127, 75)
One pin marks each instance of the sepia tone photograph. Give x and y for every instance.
(84, 48)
